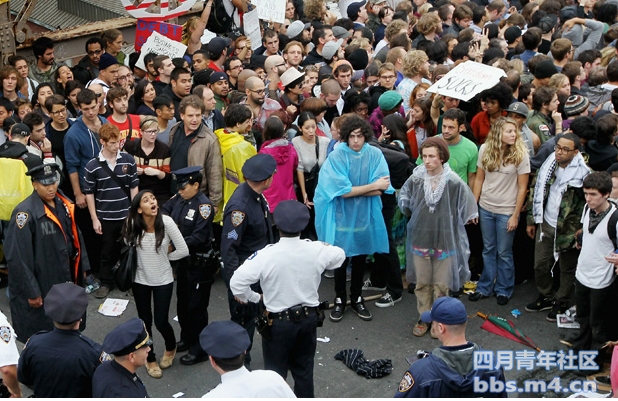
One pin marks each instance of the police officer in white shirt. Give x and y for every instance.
(226, 344)
(289, 273)
(9, 356)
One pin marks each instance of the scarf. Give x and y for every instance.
(573, 176)
(433, 196)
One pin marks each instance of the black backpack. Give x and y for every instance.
(399, 164)
(219, 20)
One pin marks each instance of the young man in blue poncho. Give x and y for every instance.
(348, 209)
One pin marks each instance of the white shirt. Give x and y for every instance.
(593, 270)
(289, 273)
(256, 384)
(553, 200)
(153, 266)
(8, 349)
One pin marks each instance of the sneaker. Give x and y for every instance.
(368, 286)
(539, 305)
(102, 292)
(476, 296)
(420, 329)
(337, 313)
(329, 274)
(359, 308)
(558, 309)
(503, 300)
(387, 300)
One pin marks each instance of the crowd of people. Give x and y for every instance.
(196, 154)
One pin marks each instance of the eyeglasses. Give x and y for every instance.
(98, 94)
(259, 92)
(280, 65)
(151, 131)
(95, 52)
(236, 68)
(387, 77)
(560, 149)
(61, 111)
(123, 77)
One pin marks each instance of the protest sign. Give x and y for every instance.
(466, 80)
(271, 10)
(151, 10)
(159, 44)
(252, 28)
(144, 28)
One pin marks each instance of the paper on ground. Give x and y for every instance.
(113, 307)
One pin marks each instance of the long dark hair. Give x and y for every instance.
(135, 226)
(397, 128)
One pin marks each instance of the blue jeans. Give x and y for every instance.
(497, 255)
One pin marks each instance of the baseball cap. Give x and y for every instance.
(511, 34)
(330, 49)
(296, 27)
(446, 310)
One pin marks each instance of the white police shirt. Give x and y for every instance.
(241, 383)
(289, 273)
(8, 349)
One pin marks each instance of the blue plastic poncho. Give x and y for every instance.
(354, 224)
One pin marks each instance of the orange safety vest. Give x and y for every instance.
(71, 209)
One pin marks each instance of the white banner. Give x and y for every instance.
(251, 26)
(150, 10)
(159, 44)
(271, 10)
(467, 80)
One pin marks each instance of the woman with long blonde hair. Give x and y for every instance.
(500, 188)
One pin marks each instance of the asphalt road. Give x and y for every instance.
(388, 335)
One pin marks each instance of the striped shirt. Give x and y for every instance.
(111, 201)
(153, 267)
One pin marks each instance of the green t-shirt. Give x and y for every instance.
(463, 158)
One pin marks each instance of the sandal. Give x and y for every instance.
(420, 329)
(154, 370)
(167, 359)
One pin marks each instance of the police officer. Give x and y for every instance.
(226, 343)
(130, 343)
(43, 247)
(193, 212)
(289, 273)
(247, 228)
(9, 356)
(60, 363)
(448, 372)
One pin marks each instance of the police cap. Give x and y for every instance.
(66, 303)
(446, 310)
(291, 216)
(126, 338)
(259, 167)
(224, 339)
(46, 174)
(184, 175)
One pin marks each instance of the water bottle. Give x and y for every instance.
(93, 284)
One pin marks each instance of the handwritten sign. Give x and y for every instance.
(159, 44)
(252, 28)
(144, 28)
(156, 10)
(271, 10)
(467, 80)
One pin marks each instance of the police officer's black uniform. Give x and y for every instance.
(43, 247)
(61, 363)
(111, 379)
(247, 228)
(194, 273)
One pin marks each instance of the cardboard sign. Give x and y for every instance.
(159, 44)
(144, 28)
(156, 10)
(252, 28)
(271, 10)
(467, 80)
